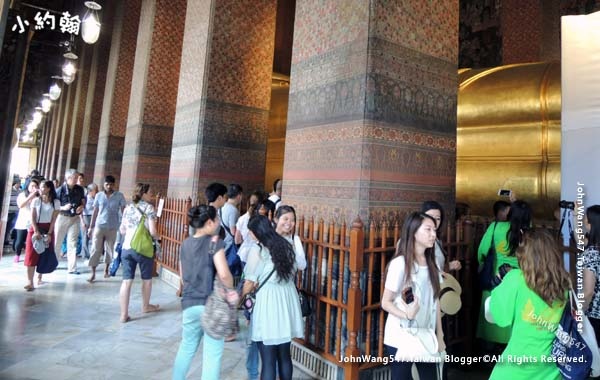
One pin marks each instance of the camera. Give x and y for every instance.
(502, 271)
(73, 209)
(407, 295)
(567, 204)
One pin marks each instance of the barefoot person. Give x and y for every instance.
(132, 216)
(104, 224)
(44, 211)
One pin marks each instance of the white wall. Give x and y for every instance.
(580, 146)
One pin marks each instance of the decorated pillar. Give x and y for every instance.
(223, 100)
(117, 90)
(149, 134)
(372, 112)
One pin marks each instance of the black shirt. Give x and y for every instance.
(73, 196)
(198, 269)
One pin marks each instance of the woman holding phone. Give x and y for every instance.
(410, 297)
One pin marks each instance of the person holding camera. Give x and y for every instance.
(24, 200)
(413, 329)
(506, 237)
(72, 201)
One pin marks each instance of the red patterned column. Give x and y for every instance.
(56, 132)
(65, 129)
(149, 135)
(74, 132)
(223, 100)
(95, 99)
(372, 114)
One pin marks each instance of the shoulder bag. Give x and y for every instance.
(487, 272)
(219, 318)
(249, 299)
(575, 353)
(141, 242)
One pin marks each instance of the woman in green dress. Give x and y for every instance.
(531, 301)
(506, 237)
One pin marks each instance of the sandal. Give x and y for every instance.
(125, 320)
(29, 288)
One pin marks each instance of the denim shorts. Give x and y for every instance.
(130, 259)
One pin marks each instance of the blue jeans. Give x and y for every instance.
(252, 361)
(191, 335)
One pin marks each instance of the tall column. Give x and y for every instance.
(94, 104)
(154, 84)
(42, 157)
(56, 132)
(64, 137)
(372, 113)
(117, 91)
(224, 93)
(78, 111)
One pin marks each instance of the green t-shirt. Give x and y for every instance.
(533, 323)
(501, 243)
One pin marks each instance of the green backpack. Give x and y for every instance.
(142, 240)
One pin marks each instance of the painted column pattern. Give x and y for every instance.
(94, 102)
(372, 114)
(115, 106)
(223, 101)
(63, 138)
(79, 108)
(149, 134)
(56, 131)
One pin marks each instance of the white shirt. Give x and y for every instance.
(24, 218)
(44, 210)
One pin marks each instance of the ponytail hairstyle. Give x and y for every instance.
(406, 248)
(519, 217)
(199, 215)
(52, 192)
(282, 252)
(140, 190)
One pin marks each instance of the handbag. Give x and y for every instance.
(487, 272)
(220, 318)
(249, 299)
(304, 303)
(114, 265)
(141, 242)
(47, 261)
(574, 352)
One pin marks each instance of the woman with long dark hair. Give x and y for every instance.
(23, 221)
(44, 210)
(411, 295)
(531, 301)
(507, 237)
(198, 266)
(276, 318)
(591, 268)
(436, 211)
(132, 216)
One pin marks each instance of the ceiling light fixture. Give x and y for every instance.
(90, 26)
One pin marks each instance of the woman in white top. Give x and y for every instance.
(242, 236)
(23, 222)
(285, 225)
(44, 210)
(413, 329)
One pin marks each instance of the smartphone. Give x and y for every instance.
(504, 193)
(407, 295)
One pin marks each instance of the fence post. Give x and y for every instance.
(351, 369)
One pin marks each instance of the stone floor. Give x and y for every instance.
(70, 329)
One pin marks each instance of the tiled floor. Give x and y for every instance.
(69, 329)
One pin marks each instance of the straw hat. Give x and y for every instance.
(450, 291)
